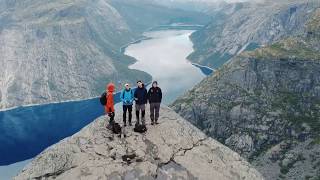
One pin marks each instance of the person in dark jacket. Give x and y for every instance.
(154, 97)
(127, 98)
(140, 97)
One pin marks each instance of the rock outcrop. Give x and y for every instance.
(265, 105)
(174, 149)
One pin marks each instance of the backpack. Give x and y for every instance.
(140, 128)
(103, 99)
(116, 128)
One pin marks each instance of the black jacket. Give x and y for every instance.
(154, 95)
(141, 95)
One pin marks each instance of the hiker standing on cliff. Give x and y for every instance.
(154, 97)
(127, 97)
(109, 107)
(140, 97)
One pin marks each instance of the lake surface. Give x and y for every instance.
(26, 131)
(163, 56)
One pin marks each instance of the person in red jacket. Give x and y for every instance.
(109, 107)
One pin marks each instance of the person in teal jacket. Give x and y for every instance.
(127, 97)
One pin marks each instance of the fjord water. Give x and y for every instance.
(26, 131)
(163, 56)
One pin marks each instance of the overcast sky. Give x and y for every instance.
(243, 0)
(217, 0)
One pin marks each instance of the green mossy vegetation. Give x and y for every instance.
(286, 169)
(293, 107)
(291, 48)
(316, 140)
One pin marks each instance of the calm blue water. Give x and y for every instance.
(26, 131)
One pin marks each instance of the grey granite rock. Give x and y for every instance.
(174, 149)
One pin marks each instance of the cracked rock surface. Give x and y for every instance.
(174, 149)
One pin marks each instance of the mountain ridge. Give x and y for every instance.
(264, 104)
(246, 26)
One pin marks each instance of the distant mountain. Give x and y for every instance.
(65, 50)
(265, 105)
(193, 5)
(143, 14)
(245, 26)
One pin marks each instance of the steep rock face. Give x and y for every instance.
(59, 50)
(174, 149)
(265, 105)
(244, 26)
(251, 103)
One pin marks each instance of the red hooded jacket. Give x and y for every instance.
(109, 107)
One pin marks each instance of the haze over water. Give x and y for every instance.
(164, 57)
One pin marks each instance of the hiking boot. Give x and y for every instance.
(143, 121)
(152, 123)
(125, 124)
(109, 126)
(157, 122)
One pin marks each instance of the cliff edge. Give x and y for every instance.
(174, 149)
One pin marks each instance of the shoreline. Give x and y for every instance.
(161, 27)
(58, 102)
(47, 103)
(177, 27)
(122, 48)
(167, 27)
(196, 64)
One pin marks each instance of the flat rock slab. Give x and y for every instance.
(173, 149)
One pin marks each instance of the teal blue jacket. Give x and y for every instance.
(127, 97)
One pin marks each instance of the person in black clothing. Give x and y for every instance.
(140, 97)
(154, 97)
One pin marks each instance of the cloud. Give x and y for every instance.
(230, 1)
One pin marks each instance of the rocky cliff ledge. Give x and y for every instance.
(174, 149)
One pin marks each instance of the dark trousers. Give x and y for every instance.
(140, 107)
(154, 111)
(125, 109)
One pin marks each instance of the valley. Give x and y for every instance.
(26, 131)
(241, 76)
(54, 51)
